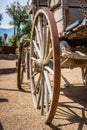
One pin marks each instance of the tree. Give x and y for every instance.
(10, 10)
(18, 15)
(26, 29)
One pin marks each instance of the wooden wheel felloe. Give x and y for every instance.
(45, 63)
(21, 64)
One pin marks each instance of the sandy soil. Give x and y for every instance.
(16, 107)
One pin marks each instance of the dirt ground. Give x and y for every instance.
(16, 107)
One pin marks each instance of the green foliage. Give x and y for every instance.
(18, 15)
(26, 29)
(20, 20)
(27, 40)
(12, 41)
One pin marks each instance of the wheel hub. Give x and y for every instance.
(39, 65)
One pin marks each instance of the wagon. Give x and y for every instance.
(58, 40)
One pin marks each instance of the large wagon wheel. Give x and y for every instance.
(84, 76)
(45, 63)
(22, 65)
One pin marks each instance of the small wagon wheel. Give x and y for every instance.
(21, 65)
(84, 76)
(45, 63)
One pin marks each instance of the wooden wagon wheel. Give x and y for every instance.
(22, 65)
(45, 63)
(84, 76)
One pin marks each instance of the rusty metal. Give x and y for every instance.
(56, 50)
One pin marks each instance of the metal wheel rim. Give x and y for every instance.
(56, 59)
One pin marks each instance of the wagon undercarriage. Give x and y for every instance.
(77, 56)
(53, 23)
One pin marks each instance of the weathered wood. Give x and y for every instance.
(46, 98)
(75, 55)
(54, 4)
(82, 49)
(48, 83)
(44, 24)
(45, 48)
(37, 49)
(74, 59)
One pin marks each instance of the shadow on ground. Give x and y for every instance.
(20, 90)
(8, 56)
(69, 113)
(77, 93)
(1, 127)
(3, 100)
(7, 70)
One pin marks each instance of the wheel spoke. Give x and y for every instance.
(39, 98)
(34, 59)
(48, 83)
(46, 98)
(40, 27)
(47, 42)
(38, 37)
(49, 56)
(37, 49)
(41, 34)
(34, 74)
(38, 83)
(44, 35)
(42, 96)
(49, 70)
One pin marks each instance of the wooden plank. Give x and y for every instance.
(58, 15)
(76, 2)
(71, 63)
(74, 59)
(75, 55)
(54, 4)
(79, 32)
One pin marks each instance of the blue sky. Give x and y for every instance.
(6, 19)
